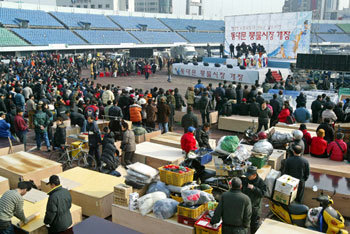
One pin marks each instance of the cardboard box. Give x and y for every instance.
(122, 201)
(284, 198)
(122, 190)
(133, 197)
(286, 189)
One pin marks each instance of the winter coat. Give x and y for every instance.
(336, 152)
(58, 206)
(163, 113)
(301, 100)
(254, 109)
(179, 101)
(4, 129)
(77, 119)
(230, 93)
(260, 99)
(94, 134)
(20, 124)
(19, 100)
(243, 108)
(264, 116)
(188, 142)
(189, 120)
(135, 113)
(115, 111)
(108, 152)
(189, 97)
(202, 138)
(330, 115)
(41, 119)
(297, 167)
(255, 194)
(204, 105)
(329, 131)
(151, 112)
(282, 117)
(307, 141)
(302, 115)
(107, 96)
(276, 107)
(59, 137)
(318, 146)
(128, 143)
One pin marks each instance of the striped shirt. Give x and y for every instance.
(11, 204)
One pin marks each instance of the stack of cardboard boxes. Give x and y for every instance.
(286, 189)
(121, 194)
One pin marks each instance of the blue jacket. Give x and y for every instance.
(199, 86)
(19, 100)
(302, 115)
(4, 129)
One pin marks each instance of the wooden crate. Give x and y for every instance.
(147, 137)
(15, 149)
(95, 193)
(156, 155)
(213, 117)
(276, 227)
(37, 225)
(326, 166)
(264, 171)
(310, 126)
(148, 224)
(4, 184)
(173, 139)
(237, 123)
(26, 166)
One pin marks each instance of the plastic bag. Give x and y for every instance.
(196, 197)
(242, 153)
(227, 144)
(263, 147)
(281, 137)
(158, 186)
(138, 131)
(146, 202)
(177, 189)
(138, 177)
(270, 182)
(144, 169)
(165, 209)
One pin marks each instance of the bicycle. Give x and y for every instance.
(68, 159)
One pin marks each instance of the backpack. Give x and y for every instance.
(290, 119)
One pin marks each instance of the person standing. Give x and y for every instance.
(20, 100)
(221, 50)
(263, 117)
(189, 119)
(179, 100)
(234, 209)
(21, 128)
(254, 187)
(316, 108)
(135, 113)
(94, 139)
(202, 136)
(128, 144)
(41, 123)
(169, 69)
(11, 204)
(190, 96)
(30, 106)
(151, 113)
(208, 50)
(147, 70)
(58, 218)
(163, 115)
(297, 167)
(204, 107)
(232, 50)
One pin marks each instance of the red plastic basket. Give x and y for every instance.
(186, 221)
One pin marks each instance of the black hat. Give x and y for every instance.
(251, 171)
(54, 179)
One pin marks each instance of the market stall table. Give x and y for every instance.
(173, 139)
(148, 224)
(156, 155)
(37, 226)
(310, 126)
(329, 167)
(4, 184)
(148, 136)
(94, 193)
(26, 166)
(276, 227)
(237, 123)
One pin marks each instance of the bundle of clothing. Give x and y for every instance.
(139, 175)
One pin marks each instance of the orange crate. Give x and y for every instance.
(191, 213)
(203, 226)
(174, 178)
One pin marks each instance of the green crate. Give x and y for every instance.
(259, 162)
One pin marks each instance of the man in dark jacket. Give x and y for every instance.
(328, 129)
(254, 187)
(59, 137)
(239, 93)
(259, 98)
(276, 106)
(235, 209)
(243, 107)
(41, 122)
(230, 92)
(264, 115)
(94, 139)
(301, 100)
(219, 96)
(297, 167)
(58, 217)
(115, 111)
(254, 108)
(204, 107)
(316, 108)
(189, 120)
(178, 100)
(202, 136)
(77, 119)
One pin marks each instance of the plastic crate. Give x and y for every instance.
(174, 178)
(203, 226)
(177, 198)
(192, 213)
(186, 221)
(206, 158)
(258, 161)
(206, 190)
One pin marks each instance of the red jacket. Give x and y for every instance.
(282, 117)
(188, 142)
(318, 146)
(20, 124)
(308, 139)
(337, 153)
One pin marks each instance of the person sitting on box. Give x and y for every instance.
(202, 136)
(234, 208)
(297, 167)
(254, 187)
(188, 142)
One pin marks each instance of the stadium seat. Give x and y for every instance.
(335, 38)
(199, 25)
(158, 37)
(197, 37)
(49, 36)
(106, 37)
(8, 16)
(9, 39)
(325, 28)
(344, 27)
(132, 22)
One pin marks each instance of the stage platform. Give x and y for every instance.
(280, 63)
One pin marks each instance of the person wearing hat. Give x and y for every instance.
(318, 146)
(163, 115)
(204, 107)
(297, 167)
(234, 209)
(58, 218)
(189, 119)
(254, 187)
(188, 142)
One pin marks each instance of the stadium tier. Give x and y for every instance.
(199, 25)
(315, 39)
(106, 37)
(158, 37)
(132, 22)
(344, 27)
(197, 37)
(78, 20)
(9, 16)
(325, 28)
(9, 39)
(335, 38)
(49, 36)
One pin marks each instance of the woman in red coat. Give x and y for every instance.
(306, 138)
(282, 117)
(188, 142)
(318, 147)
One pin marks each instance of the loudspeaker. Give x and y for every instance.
(313, 62)
(300, 61)
(206, 64)
(185, 62)
(217, 65)
(229, 66)
(327, 62)
(195, 63)
(242, 67)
